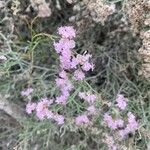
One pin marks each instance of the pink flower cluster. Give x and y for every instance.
(85, 65)
(115, 124)
(111, 123)
(42, 110)
(78, 64)
(72, 68)
(68, 60)
(131, 126)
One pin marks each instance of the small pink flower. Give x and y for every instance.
(68, 44)
(66, 54)
(65, 62)
(74, 63)
(131, 127)
(79, 75)
(68, 86)
(59, 119)
(49, 114)
(61, 100)
(123, 133)
(42, 107)
(109, 121)
(64, 84)
(90, 98)
(30, 107)
(82, 119)
(91, 109)
(64, 45)
(67, 32)
(119, 123)
(83, 58)
(63, 74)
(65, 91)
(41, 114)
(58, 47)
(87, 66)
(121, 102)
(132, 123)
(60, 82)
(27, 92)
